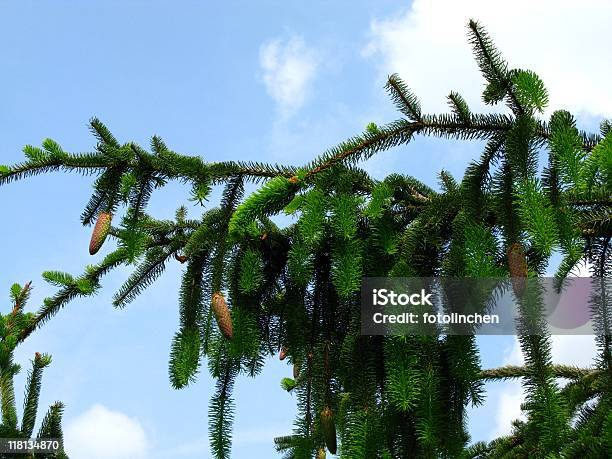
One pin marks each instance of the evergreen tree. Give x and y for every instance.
(251, 288)
(13, 330)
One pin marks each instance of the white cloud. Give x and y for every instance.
(508, 408)
(579, 350)
(100, 433)
(512, 395)
(561, 41)
(288, 68)
(513, 354)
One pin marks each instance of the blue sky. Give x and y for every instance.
(267, 81)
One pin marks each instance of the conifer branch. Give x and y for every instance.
(51, 423)
(406, 102)
(402, 131)
(85, 285)
(32, 393)
(514, 371)
(11, 325)
(221, 413)
(493, 67)
(7, 394)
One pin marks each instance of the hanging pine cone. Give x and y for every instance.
(283, 353)
(100, 232)
(222, 314)
(321, 454)
(180, 258)
(296, 371)
(517, 265)
(328, 429)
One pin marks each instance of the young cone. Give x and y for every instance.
(283, 353)
(517, 265)
(222, 314)
(328, 428)
(321, 454)
(100, 232)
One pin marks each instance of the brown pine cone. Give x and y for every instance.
(321, 454)
(181, 258)
(517, 265)
(100, 232)
(222, 314)
(283, 353)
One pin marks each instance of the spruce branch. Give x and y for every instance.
(404, 99)
(32, 393)
(221, 413)
(51, 426)
(146, 273)
(459, 107)
(7, 394)
(514, 371)
(11, 326)
(493, 67)
(360, 148)
(84, 285)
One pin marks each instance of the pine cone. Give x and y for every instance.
(294, 179)
(222, 314)
(296, 371)
(283, 353)
(181, 258)
(517, 265)
(321, 454)
(100, 232)
(328, 428)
